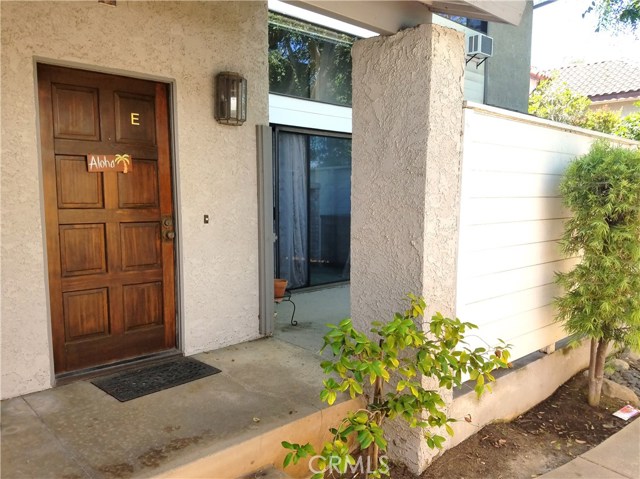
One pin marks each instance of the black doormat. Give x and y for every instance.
(129, 385)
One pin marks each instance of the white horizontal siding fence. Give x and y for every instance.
(510, 221)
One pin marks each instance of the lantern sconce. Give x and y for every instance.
(231, 99)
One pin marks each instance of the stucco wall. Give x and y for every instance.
(184, 42)
(507, 71)
(624, 107)
(407, 127)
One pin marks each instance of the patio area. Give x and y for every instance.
(314, 309)
(267, 392)
(265, 388)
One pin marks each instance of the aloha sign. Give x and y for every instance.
(97, 163)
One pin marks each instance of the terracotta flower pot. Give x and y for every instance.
(279, 287)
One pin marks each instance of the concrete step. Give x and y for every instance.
(267, 473)
(265, 451)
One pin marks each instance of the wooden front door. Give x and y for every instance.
(109, 234)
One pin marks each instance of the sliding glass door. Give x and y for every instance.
(313, 207)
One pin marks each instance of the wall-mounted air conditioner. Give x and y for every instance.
(480, 46)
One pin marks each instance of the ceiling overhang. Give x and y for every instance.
(501, 11)
(389, 17)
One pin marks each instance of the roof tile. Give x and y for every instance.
(601, 78)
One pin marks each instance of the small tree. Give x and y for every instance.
(629, 126)
(603, 120)
(602, 298)
(392, 365)
(555, 101)
(617, 16)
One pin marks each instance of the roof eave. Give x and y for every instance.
(510, 11)
(620, 96)
(389, 17)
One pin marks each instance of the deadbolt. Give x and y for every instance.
(167, 221)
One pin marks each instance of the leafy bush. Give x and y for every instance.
(393, 364)
(556, 102)
(629, 126)
(602, 298)
(604, 120)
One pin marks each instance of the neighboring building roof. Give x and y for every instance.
(601, 80)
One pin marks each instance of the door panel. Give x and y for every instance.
(139, 190)
(76, 112)
(142, 305)
(82, 249)
(86, 314)
(140, 246)
(129, 111)
(77, 188)
(109, 234)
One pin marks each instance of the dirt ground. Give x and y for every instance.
(544, 438)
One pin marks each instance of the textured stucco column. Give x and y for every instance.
(407, 128)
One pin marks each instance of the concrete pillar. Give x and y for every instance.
(407, 137)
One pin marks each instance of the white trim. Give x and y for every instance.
(284, 110)
(526, 118)
(318, 19)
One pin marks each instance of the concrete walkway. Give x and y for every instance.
(77, 431)
(231, 422)
(616, 458)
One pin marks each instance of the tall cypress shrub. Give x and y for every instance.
(602, 293)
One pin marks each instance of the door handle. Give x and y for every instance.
(168, 235)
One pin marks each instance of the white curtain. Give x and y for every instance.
(292, 234)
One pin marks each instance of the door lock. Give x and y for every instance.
(167, 228)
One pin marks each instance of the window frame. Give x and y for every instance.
(276, 130)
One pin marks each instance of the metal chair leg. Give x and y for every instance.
(287, 297)
(293, 322)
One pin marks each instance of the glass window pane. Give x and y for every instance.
(309, 61)
(314, 208)
(329, 209)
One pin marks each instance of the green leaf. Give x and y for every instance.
(365, 439)
(380, 441)
(479, 389)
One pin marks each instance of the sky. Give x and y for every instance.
(561, 36)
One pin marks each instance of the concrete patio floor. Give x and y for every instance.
(78, 431)
(314, 309)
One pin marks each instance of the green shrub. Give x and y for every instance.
(392, 363)
(603, 120)
(602, 293)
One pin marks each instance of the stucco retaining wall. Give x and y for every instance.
(185, 43)
(516, 392)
